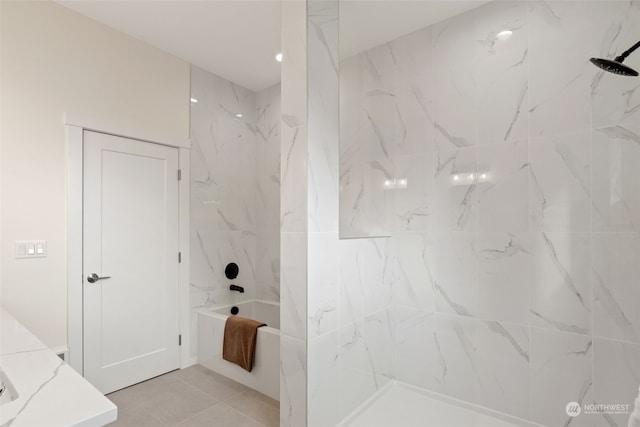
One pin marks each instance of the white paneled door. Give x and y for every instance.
(130, 265)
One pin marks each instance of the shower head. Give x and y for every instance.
(616, 66)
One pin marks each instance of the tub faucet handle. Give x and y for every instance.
(236, 288)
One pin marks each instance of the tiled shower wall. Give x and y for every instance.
(235, 191)
(514, 265)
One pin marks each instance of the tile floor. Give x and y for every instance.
(193, 397)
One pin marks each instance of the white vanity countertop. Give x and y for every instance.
(50, 392)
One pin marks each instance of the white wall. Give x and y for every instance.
(55, 61)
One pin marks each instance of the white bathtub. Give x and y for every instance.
(265, 376)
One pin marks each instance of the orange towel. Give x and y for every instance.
(239, 345)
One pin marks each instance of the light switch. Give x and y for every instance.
(31, 248)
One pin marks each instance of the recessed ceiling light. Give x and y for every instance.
(278, 56)
(503, 35)
(238, 116)
(194, 100)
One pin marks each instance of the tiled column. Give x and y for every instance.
(309, 211)
(323, 193)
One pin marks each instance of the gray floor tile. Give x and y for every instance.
(177, 403)
(220, 415)
(135, 418)
(191, 397)
(257, 406)
(214, 384)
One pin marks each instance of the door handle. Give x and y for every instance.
(93, 278)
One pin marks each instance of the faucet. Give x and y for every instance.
(236, 288)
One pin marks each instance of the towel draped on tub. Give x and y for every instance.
(239, 344)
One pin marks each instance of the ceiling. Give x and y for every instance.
(237, 39)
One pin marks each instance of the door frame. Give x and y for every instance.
(75, 127)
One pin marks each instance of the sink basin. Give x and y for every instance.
(7, 390)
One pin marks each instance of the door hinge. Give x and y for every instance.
(179, 257)
(179, 174)
(179, 339)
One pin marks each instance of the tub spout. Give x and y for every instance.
(236, 288)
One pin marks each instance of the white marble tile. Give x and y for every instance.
(616, 267)
(504, 276)
(293, 285)
(616, 180)
(293, 382)
(235, 190)
(415, 208)
(414, 273)
(503, 361)
(502, 96)
(616, 375)
(503, 187)
(323, 287)
(378, 330)
(486, 362)
(357, 379)
(493, 20)
(211, 251)
(456, 273)
(560, 182)
(323, 116)
(615, 101)
(501, 72)
(268, 266)
(456, 190)
(367, 136)
(455, 117)
(323, 380)
(416, 358)
(375, 260)
(351, 306)
(560, 77)
(413, 90)
(562, 282)
(268, 159)
(222, 144)
(293, 126)
(560, 373)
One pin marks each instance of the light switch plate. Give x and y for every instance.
(31, 248)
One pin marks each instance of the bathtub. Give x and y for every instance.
(265, 376)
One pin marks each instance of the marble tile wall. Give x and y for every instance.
(293, 216)
(268, 194)
(508, 164)
(235, 191)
